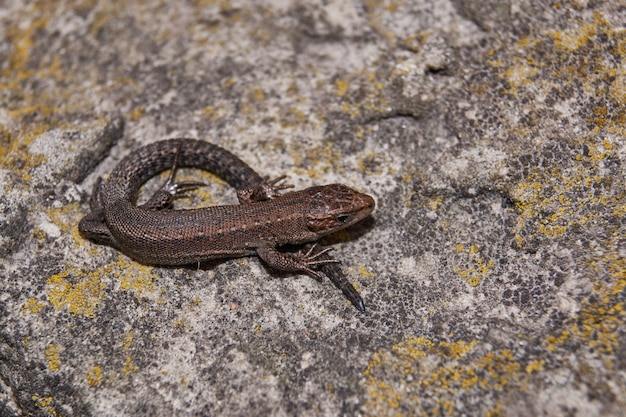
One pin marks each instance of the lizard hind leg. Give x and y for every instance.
(93, 226)
(171, 190)
(266, 190)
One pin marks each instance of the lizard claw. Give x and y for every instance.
(171, 190)
(177, 189)
(272, 187)
(309, 260)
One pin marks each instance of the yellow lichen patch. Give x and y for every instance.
(476, 268)
(22, 40)
(64, 217)
(206, 112)
(421, 377)
(374, 163)
(576, 37)
(258, 94)
(81, 297)
(45, 403)
(183, 324)
(373, 100)
(136, 114)
(134, 277)
(599, 321)
(374, 8)
(495, 412)
(42, 108)
(353, 111)
(556, 340)
(581, 58)
(317, 159)
(33, 306)
(292, 117)
(128, 340)
(520, 74)
(435, 202)
(554, 200)
(342, 87)
(129, 366)
(229, 82)
(52, 357)
(535, 366)
(365, 273)
(94, 376)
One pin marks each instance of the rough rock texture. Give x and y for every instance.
(491, 134)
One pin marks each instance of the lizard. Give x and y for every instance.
(265, 220)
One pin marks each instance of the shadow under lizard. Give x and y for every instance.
(265, 219)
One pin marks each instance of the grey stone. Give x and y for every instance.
(490, 133)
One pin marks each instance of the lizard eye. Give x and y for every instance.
(343, 218)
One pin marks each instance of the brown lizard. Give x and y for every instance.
(155, 234)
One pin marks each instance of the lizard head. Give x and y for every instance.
(335, 207)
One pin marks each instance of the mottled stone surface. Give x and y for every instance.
(493, 271)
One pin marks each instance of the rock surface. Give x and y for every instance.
(493, 271)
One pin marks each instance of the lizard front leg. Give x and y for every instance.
(300, 262)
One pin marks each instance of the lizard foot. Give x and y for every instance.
(266, 190)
